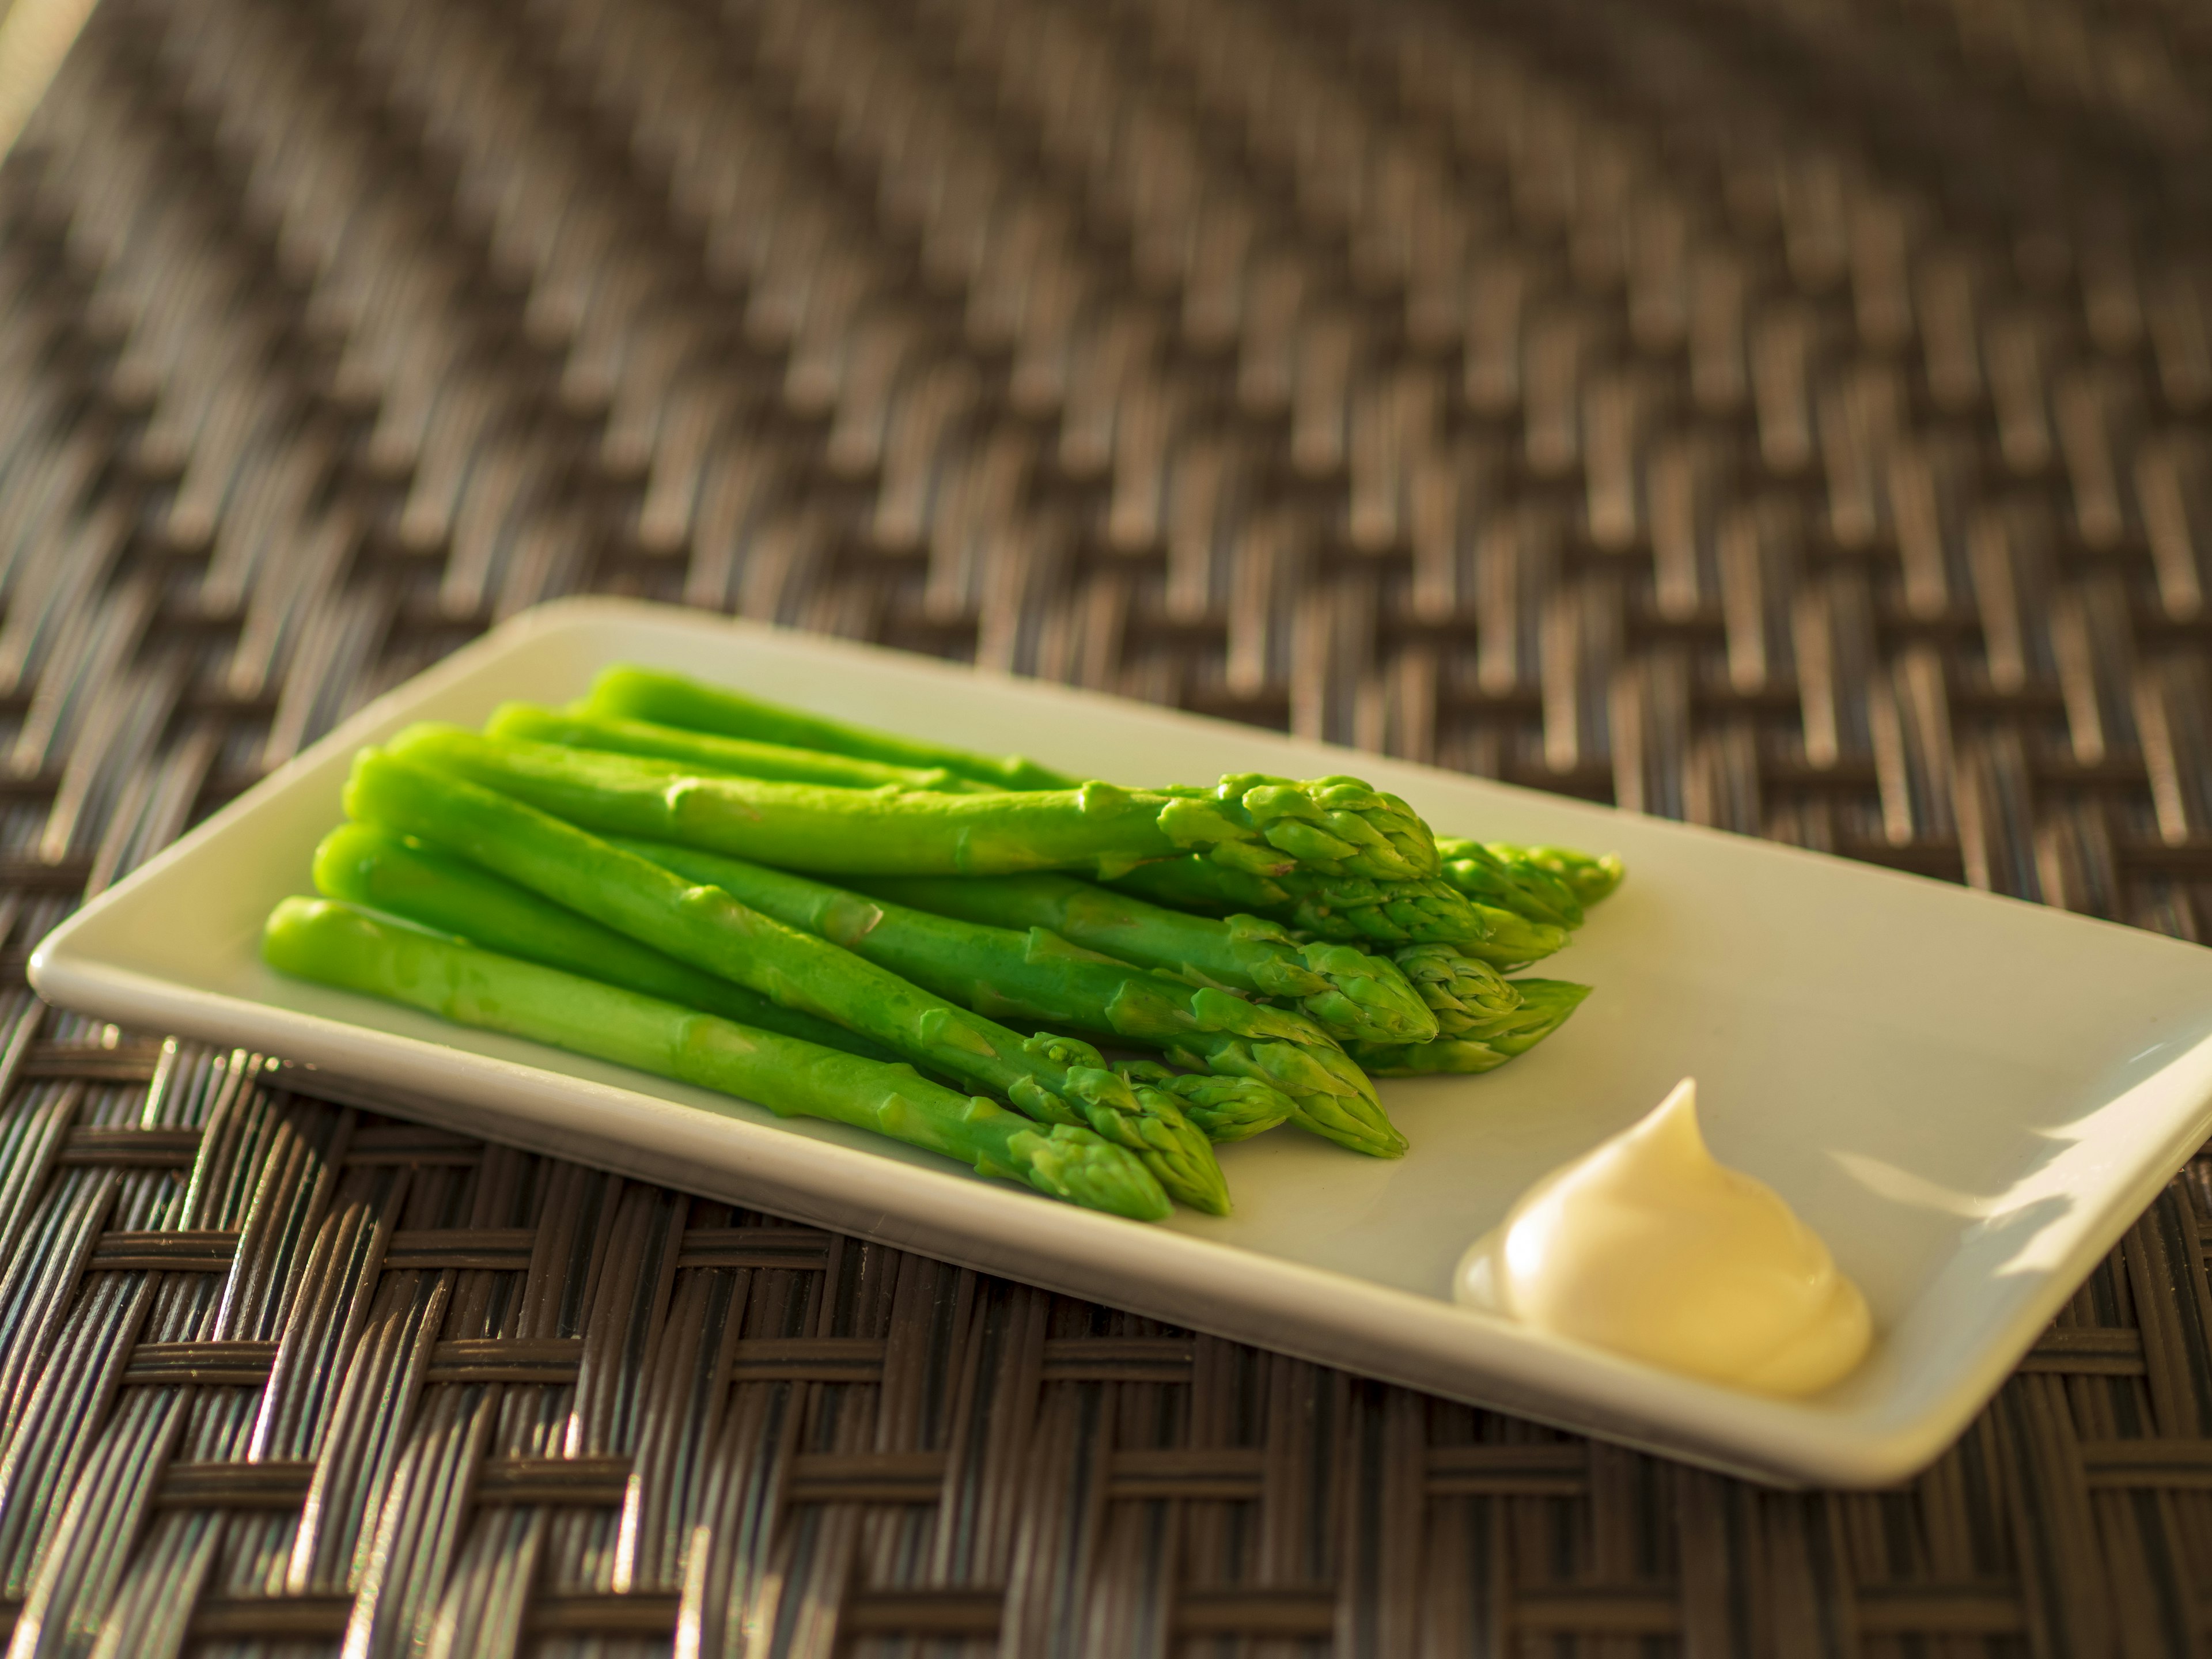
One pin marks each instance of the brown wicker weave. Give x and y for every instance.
(1793, 418)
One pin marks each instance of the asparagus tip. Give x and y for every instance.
(1075, 1164)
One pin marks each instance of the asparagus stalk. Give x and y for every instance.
(1222, 1108)
(1352, 996)
(1451, 1056)
(1053, 1079)
(1590, 877)
(1544, 1005)
(1034, 978)
(1349, 908)
(1392, 913)
(1460, 991)
(1529, 892)
(1332, 1096)
(1030, 975)
(646, 696)
(739, 757)
(335, 944)
(1038, 977)
(641, 694)
(1262, 824)
(1531, 883)
(1554, 884)
(372, 868)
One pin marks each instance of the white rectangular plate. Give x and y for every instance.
(1969, 1098)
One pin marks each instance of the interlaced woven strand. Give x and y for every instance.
(1795, 418)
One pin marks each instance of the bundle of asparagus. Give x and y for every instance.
(834, 923)
(340, 945)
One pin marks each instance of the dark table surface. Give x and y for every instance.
(1792, 418)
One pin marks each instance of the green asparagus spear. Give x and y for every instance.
(1544, 1005)
(1349, 908)
(1530, 882)
(1534, 894)
(1509, 942)
(1223, 1108)
(1033, 978)
(1463, 992)
(1332, 1096)
(1030, 975)
(1589, 877)
(1038, 977)
(1261, 825)
(736, 756)
(1550, 885)
(335, 944)
(641, 694)
(1053, 1079)
(1352, 996)
(1450, 1056)
(372, 868)
(1390, 913)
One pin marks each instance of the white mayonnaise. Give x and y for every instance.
(1647, 1246)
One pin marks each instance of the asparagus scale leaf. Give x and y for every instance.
(1544, 1005)
(1449, 1056)
(1508, 941)
(1463, 992)
(739, 757)
(1332, 1096)
(371, 867)
(1531, 883)
(335, 944)
(1349, 908)
(1346, 909)
(1352, 996)
(1533, 894)
(1590, 877)
(1263, 825)
(1336, 825)
(1361, 998)
(643, 694)
(1053, 1078)
(1223, 1108)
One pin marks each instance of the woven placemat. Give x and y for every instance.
(1792, 418)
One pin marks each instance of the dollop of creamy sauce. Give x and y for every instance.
(1649, 1247)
